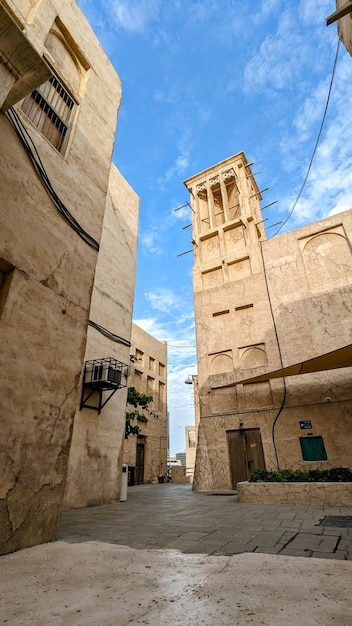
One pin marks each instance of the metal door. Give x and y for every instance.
(246, 453)
(139, 476)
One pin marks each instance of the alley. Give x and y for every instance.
(173, 517)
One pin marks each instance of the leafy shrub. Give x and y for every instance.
(138, 401)
(332, 475)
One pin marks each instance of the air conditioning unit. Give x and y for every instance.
(99, 372)
(102, 376)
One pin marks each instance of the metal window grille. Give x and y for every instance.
(50, 109)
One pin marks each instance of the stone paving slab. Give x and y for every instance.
(99, 584)
(174, 517)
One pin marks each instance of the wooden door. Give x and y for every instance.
(139, 476)
(246, 453)
(238, 461)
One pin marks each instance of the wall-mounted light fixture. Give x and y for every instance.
(99, 376)
(188, 381)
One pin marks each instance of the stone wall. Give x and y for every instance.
(94, 472)
(47, 270)
(178, 475)
(318, 494)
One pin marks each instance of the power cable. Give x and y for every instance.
(315, 147)
(107, 333)
(281, 360)
(34, 156)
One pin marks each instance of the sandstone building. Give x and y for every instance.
(262, 306)
(146, 453)
(67, 220)
(94, 470)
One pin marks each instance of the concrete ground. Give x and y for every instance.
(172, 557)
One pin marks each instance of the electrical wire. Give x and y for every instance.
(315, 147)
(173, 345)
(281, 360)
(34, 156)
(107, 333)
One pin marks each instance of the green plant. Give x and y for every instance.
(334, 474)
(140, 402)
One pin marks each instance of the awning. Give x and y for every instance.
(328, 361)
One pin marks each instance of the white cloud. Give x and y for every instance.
(313, 12)
(267, 7)
(341, 206)
(150, 241)
(181, 212)
(179, 339)
(329, 187)
(177, 169)
(134, 16)
(164, 300)
(154, 327)
(286, 55)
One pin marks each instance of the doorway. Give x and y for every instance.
(139, 475)
(246, 453)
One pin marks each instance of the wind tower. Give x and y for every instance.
(232, 313)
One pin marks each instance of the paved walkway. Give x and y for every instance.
(173, 517)
(114, 565)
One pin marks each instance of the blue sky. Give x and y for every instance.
(203, 80)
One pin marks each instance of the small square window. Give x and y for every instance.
(313, 449)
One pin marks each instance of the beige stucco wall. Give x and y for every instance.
(45, 297)
(94, 472)
(251, 321)
(147, 375)
(179, 475)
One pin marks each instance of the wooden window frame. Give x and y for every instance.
(51, 108)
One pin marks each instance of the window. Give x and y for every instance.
(138, 381)
(150, 386)
(162, 396)
(162, 370)
(50, 109)
(6, 271)
(140, 357)
(151, 364)
(191, 438)
(313, 449)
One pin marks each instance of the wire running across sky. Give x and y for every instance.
(316, 144)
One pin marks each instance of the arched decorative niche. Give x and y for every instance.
(64, 53)
(220, 363)
(65, 60)
(253, 356)
(328, 261)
